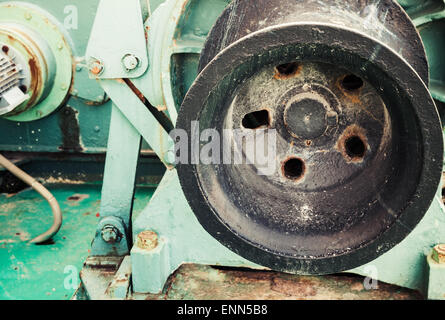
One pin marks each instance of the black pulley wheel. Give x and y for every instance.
(359, 148)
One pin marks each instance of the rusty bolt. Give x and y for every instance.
(96, 67)
(110, 234)
(439, 253)
(130, 61)
(147, 240)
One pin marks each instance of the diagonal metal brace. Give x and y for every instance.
(141, 119)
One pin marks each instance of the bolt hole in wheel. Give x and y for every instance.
(355, 147)
(287, 70)
(352, 82)
(257, 120)
(294, 169)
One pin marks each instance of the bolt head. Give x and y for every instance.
(439, 253)
(147, 240)
(130, 62)
(96, 67)
(110, 234)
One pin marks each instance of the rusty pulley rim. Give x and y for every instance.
(401, 89)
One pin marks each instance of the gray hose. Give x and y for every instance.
(57, 213)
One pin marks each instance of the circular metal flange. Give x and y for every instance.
(36, 36)
(32, 54)
(349, 195)
(177, 30)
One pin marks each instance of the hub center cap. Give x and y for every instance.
(306, 118)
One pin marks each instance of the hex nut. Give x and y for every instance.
(110, 234)
(147, 240)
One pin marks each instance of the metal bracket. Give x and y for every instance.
(111, 238)
(141, 119)
(117, 40)
(124, 144)
(130, 120)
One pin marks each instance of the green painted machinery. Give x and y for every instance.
(110, 77)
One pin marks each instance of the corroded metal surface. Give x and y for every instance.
(147, 240)
(197, 282)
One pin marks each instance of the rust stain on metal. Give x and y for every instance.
(352, 95)
(196, 282)
(35, 45)
(439, 253)
(352, 132)
(36, 82)
(123, 279)
(135, 90)
(288, 71)
(96, 70)
(304, 288)
(147, 240)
